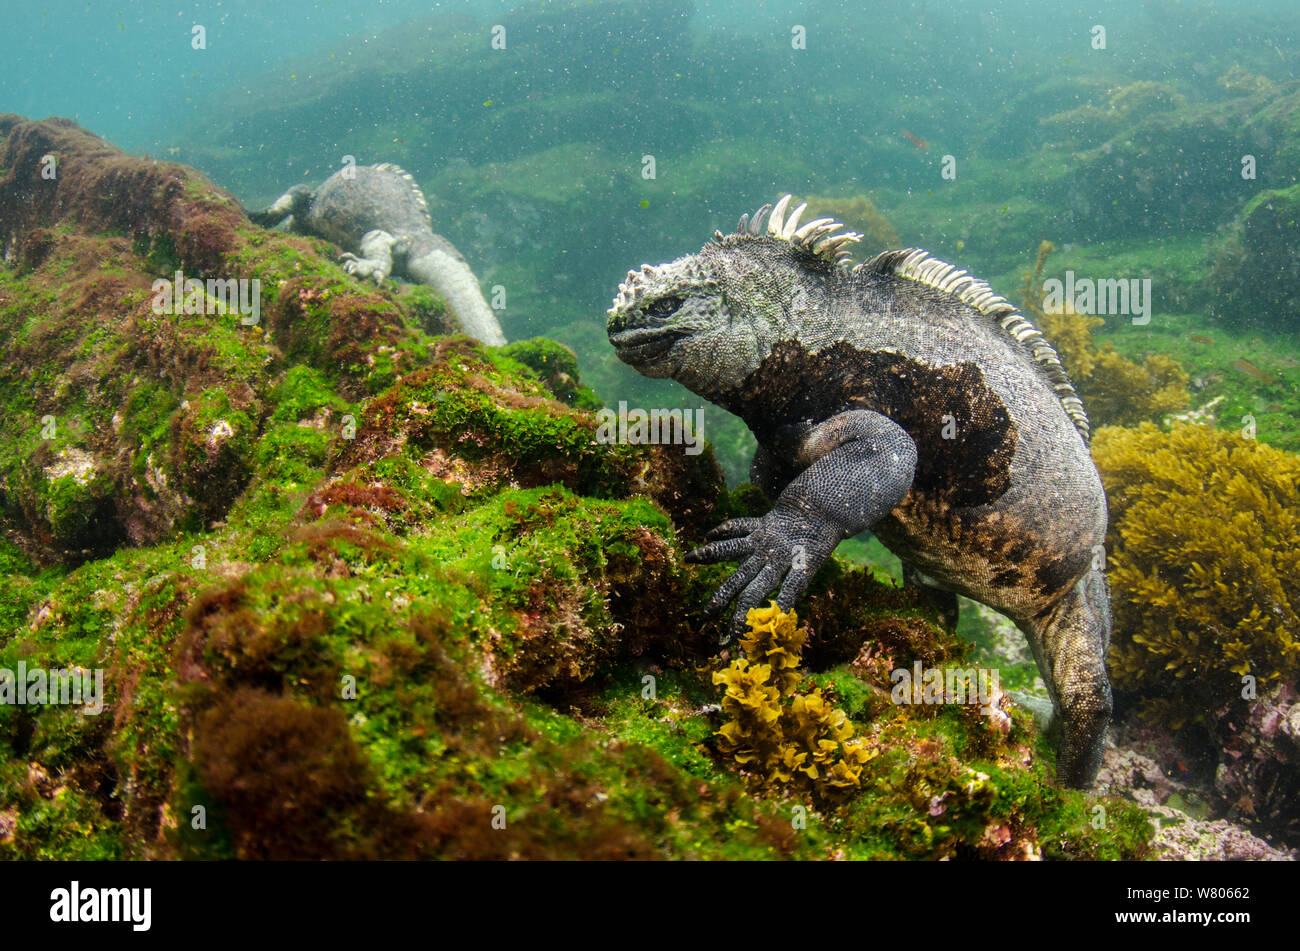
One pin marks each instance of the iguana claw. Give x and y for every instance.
(784, 547)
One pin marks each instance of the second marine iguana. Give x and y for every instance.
(378, 215)
(901, 396)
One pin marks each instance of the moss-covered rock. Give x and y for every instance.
(558, 367)
(1257, 269)
(358, 592)
(132, 413)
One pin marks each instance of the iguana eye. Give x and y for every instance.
(664, 307)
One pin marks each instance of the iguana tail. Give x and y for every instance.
(1072, 637)
(448, 274)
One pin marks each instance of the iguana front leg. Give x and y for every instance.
(376, 260)
(281, 215)
(857, 466)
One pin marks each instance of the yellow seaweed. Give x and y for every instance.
(780, 736)
(1204, 566)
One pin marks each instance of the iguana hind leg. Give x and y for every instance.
(943, 601)
(376, 259)
(1069, 642)
(280, 216)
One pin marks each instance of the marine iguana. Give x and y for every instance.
(378, 215)
(901, 396)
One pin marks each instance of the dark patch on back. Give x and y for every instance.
(1009, 578)
(973, 468)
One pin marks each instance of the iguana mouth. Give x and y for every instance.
(646, 344)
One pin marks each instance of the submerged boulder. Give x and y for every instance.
(1257, 270)
(134, 402)
(356, 589)
(1258, 780)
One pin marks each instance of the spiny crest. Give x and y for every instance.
(821, 237)
(634, 286)
(917, 265)
(415, 189)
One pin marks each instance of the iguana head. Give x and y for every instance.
(293, 202)
(708, 319)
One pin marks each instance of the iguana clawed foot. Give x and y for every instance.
(785, 547)
(362, 268)
(377, 257)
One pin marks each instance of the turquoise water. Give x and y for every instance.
(1048, 148)
(128, 70)
(976, 130)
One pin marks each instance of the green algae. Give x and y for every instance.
(556, 364)
(371, 592)
(441, 641)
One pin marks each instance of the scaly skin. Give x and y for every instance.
(378, 215)
(898, 396)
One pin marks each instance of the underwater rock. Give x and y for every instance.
(558, 367)
(160, 395)
(1258, 779)
(1257, 270)
(1179, 836)
(55, 172)
(1124, 105)
(1160, 169)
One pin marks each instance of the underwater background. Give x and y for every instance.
(500, 585)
